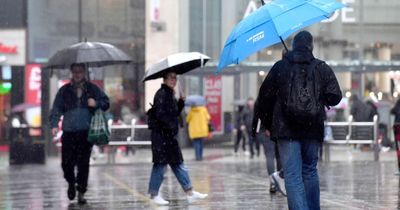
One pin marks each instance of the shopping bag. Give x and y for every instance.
(98, 132)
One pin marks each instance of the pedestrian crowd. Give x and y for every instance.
(286, 120)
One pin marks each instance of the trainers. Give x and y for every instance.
(159, 200)
(279, 182)
(81, 198)
(196, 196)
(71, 192)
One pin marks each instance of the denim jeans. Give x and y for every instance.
(157, 177)
(198, 148)
(299, 160)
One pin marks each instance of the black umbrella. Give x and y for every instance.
(179, 63)
(93, 54)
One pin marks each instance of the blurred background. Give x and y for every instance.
(360, 42)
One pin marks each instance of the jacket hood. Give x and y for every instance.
(302, 48)
(303, 41)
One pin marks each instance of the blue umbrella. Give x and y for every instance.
(195, 100)
(272, 23)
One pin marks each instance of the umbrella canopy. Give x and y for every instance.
(93, 54)
(23, 107)
(195, 100)
(272, 23)
(179, 63)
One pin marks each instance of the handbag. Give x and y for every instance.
(98, 131)
(211, 127)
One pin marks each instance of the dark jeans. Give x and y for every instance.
(198, 148)
(157, 177)
(253, 141)
(75, 152)
(239, 137)
(271, 152)
(299, 161)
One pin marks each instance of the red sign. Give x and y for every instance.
(5, 49)
(33, 81)
(213, 95)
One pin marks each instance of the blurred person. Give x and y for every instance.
(239, 133)
(384, 107)
(295, 117)
(198, 119)
(359, 109)
(164, 144)
(76, 101)
(246, 126)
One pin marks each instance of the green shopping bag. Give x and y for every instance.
(98, 132)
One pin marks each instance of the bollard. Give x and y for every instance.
(396, 129)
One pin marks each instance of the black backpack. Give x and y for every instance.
(302, 103)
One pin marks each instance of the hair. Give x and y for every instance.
(166, 73)
(82, 65)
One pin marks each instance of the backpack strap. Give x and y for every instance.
(312, 68)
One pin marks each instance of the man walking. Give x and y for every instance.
(290, 105)
(76, 102)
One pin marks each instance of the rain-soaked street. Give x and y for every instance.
(351, 180)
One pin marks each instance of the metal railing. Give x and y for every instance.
(126, 135)
(351, 132)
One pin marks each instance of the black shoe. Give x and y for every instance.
(81, 198)
(71, 191)
(272, 188)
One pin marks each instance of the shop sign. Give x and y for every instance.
(33, 84)
(33, 94)
(13, 47)
(347, 13)
(213, 95)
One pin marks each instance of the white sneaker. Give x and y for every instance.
(159, 200)
(196, 196)
(279, 182)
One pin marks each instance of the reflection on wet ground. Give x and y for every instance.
(232, 182)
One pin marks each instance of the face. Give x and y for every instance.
(170, 80)
(78, 73)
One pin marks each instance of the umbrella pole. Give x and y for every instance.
(284, 44)
(262, 2)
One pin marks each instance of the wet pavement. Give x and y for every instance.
(351, 180)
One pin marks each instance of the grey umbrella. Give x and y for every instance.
(179, 63)
(93, 54)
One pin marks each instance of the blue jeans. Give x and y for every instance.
(157, 177)
(299, 160)
(198, 148)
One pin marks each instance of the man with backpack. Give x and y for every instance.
(290, 105)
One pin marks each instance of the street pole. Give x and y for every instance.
(79, 20)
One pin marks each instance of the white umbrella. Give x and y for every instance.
(179, 63)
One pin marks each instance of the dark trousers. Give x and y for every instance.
(75, 152)
(239, 137)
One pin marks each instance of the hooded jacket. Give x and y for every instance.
(197, 119)
(274, 91)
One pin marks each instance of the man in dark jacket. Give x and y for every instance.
(164, 143)
(76, 102)
(298, 143)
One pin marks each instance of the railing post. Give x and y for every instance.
(348, 137)
(133, 125)
(376, 144)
